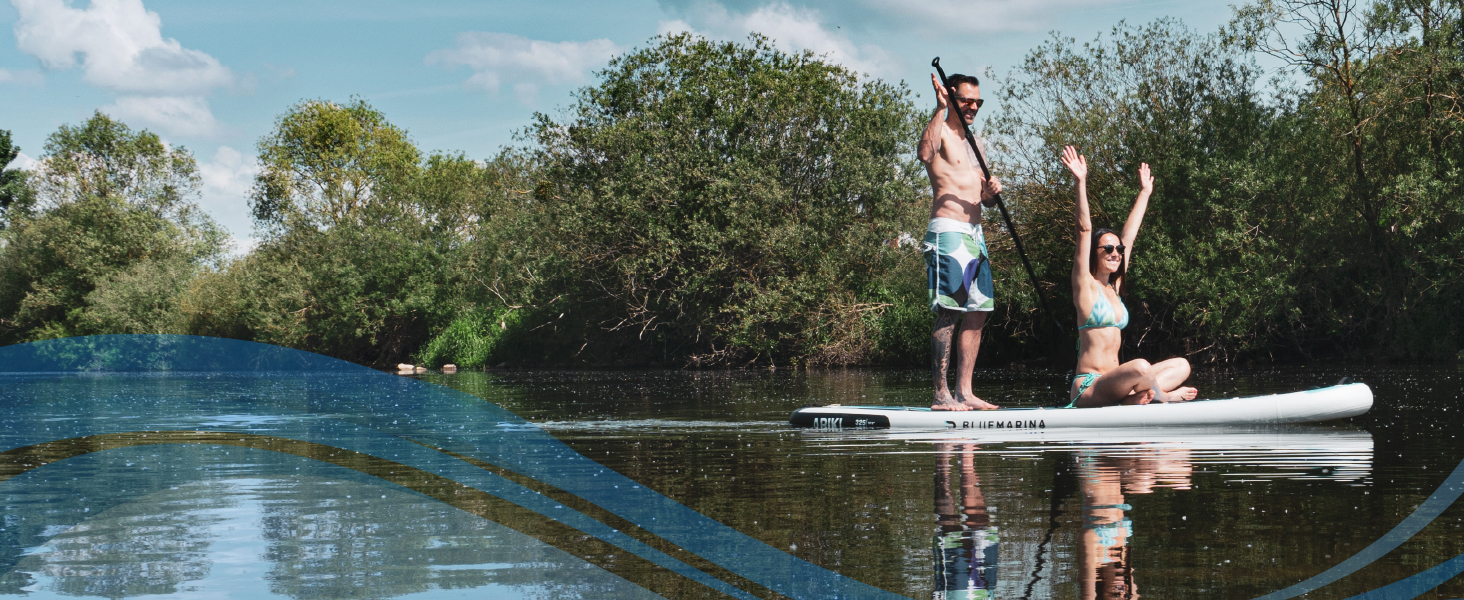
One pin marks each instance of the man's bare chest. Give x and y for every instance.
(960, 161)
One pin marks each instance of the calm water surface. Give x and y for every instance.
(1161, 514)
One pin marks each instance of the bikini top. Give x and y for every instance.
(1105, 315)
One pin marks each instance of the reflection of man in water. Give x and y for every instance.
(965, 539)
(1105, 565)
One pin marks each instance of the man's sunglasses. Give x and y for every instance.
(967, 102)
(1110, 248)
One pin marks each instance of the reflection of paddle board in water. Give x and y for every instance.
(1336, 402)
(1289, 452)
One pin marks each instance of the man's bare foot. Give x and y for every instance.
(975, 403)
(944, 401)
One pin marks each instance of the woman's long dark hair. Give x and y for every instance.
(1117, 277)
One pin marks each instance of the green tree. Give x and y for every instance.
(113, 240)
(256, 297)
(103, 158)
(497, 276)
(360, 239)
(1316, 214)
(15, 196)
(328, 164)
(1421, 150)
(1211, 276)
(715, 202)
(1382, 105)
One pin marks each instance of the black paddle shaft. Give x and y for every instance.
(1005, 216)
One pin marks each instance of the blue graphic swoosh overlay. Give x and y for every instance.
(311, 398)
(1416, 585)
(1431, 508)
(316, 399)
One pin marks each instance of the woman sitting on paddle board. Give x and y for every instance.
(1099, 267)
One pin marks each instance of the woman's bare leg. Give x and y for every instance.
(1168, 376)
(1130, 383)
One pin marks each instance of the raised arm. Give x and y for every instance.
(1136, 214)
(1078, 165)
(930, 141)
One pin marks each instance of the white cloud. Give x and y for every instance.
(241, 246)
(502, 58)
(227, 178)
(27, 77)
(674, 27)
(966, 16)
(178, 115)
(925, 18)
(230, 174)
(22, 162)
(120, 47)
(792, 30)
(280, 73)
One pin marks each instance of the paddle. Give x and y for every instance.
(1064, 484)
(1055, 329)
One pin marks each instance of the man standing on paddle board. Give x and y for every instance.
(958, 271)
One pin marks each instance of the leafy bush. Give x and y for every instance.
(143, 298)
(714, 203)
(471, 340)
(720, 203)
(16, 197)
(113, 235)
(1287, 222)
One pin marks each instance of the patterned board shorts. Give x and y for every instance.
(958, 272)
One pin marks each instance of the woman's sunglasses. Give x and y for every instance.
(1112, 248)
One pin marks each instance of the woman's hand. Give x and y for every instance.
(1146, 179)
(1079, 165)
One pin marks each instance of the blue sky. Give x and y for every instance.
(459, 76)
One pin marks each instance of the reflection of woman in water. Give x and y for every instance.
(965, 539)
(1105, 566)
(1103, 554)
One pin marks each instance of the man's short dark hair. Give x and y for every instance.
(957, 79)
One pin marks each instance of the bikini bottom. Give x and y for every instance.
(1084, 381)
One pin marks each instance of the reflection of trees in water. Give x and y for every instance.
(135, 549)
(321, 538)
(324, 544)
(71, 519)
